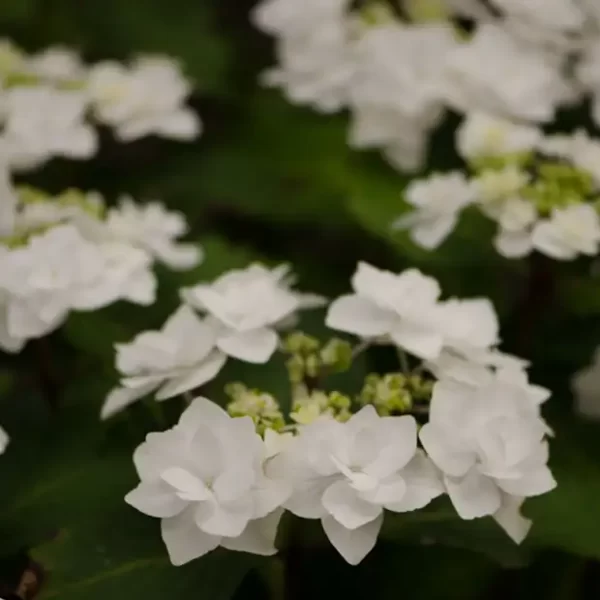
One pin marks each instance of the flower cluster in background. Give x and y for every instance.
(51, 101)
(541, 190)
(519, 61)
(458, 418)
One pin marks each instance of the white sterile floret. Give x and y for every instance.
(482, 136)
(489, 442)
(57, 65)
(43, 122)
(569, 232)
(578, 148)
(205, 479)
(395, 103)
(54, 273)
(438, 202)
(246, 306)
(346, 474)
(154, 229)
(144, 99)
(179, 358)
(401, 308)
(515, 217)
(586, 389)
(494, 73)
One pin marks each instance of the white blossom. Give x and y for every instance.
(515, 217)
(246, 306)
(180, 357)
(395, 103)
(569, 232)
(489, 443)
(481, 135)
(57, 64)
(147, 98)
(205, 480)
(154, 229)
(438, 202)
(346, 474)
(402, 308)
(42, 123)
(496, 74)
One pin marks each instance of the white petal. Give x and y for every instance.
(533, 483)
(258, 537)
(474, 495)
(393, 489)
(155, 499)
(202, 412)
(270, 494)
(196, 377)
(430, 234)
(179, 257)
(234, 483)
(228, 520)
(444, 453)
(343, 503)
(352, 544)
(509, 517)
(121, 398)
(417, 340)
(359, 316)
(182, 124)
(398, 443)
(307, 500)
(184, 540)
(513, 244)
(255, 346)
(546, 239)
(187, 486)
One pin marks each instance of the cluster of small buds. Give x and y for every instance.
(542, 191)
(396, 393)
(224, 478)
(261, 407)
(51, 101)
(309, 358)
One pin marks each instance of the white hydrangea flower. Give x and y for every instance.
(180, 357)
(494, 73)
(346, 474)
(246, 306)
(205, 480)
(43, 122)
(57, 64)
(569, 232)
(402, 308)
(438, 202)
(395, 103)
(579, 148)
(154, 229)
(515, 217)
(489, 442)
(586, 389)
(481, 135)
(142, 100)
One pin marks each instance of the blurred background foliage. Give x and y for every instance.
(273, 182)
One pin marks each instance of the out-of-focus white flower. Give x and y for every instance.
(438, 202)
(205, 480)
(246, 306)
(43, 122)
(569, 232)
(402, 308)
(496, 74)
(180, 357)
(8, 203)
(586, 389)
(515, 217)
(346, 473)
(494, 188)
(142, 100)
(56, 64)
(482, 135)
(12, 58)
(154, 229)
(395, 103)
(489, 443)
(578, 148)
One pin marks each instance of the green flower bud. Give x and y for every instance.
(262, 408)
(337, 355)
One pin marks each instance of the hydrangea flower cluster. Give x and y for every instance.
(459, 418)
(543, 191)
(72, 253)
(50, 101)
(515, 60)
